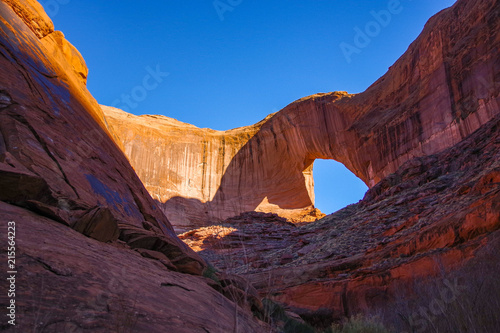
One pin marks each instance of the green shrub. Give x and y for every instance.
(359, 324)
(273, 310)
(278, 318)
(294, 326)
(210, 272)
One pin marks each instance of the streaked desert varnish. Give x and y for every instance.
(433, 97)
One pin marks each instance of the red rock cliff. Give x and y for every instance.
(93, 251)
(441, 90)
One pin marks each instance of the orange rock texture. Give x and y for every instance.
(420, 250)
(87, 231)
(439, 92)
(437, 216)
(97, 252)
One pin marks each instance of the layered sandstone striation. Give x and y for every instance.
(420, 248)
(87, 231)
(436, 219)
(440, 91)
(181, 165)
(71, 283)
(98, 253)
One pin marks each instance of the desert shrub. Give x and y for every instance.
(360, 324)
(278, 318)
(294, 326)
(210, 272)
(464, 301)
(273, 310)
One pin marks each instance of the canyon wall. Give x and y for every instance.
(431, 226)
(420, 250)
(425, 138)
(181, 165)
(441, 90)
(87, 232)
(53, 129)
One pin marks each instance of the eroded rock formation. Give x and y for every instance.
(440, 91)
(425, 138)
(93, 251)
(428, 230)
(436, 215)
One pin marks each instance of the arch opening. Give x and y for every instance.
(335, 186)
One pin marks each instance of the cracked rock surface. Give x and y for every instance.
(93, 251)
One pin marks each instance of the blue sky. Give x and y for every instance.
(229, 63)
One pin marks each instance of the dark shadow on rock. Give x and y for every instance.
(273, 170)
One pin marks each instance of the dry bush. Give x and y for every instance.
(467, 301)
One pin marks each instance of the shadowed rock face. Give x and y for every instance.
(71, 283)
(87, 231)
(53, 134)
(424, 221)
(424, 137)
(440, 91)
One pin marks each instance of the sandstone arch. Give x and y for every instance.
(430, 99)
(272, 172)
